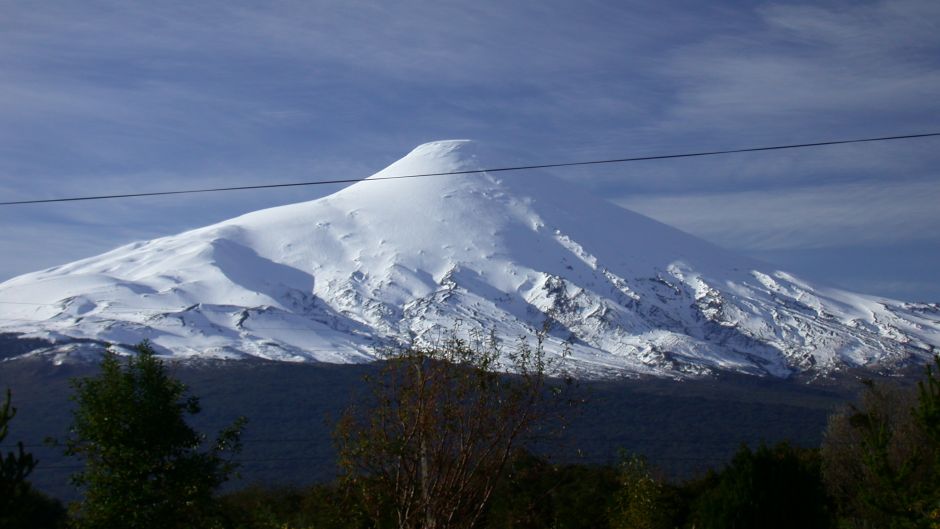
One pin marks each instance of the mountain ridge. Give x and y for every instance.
(390, 262)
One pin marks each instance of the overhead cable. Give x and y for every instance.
(473, 171)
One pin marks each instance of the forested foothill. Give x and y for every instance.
(437, 438)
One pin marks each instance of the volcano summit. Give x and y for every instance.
(397, 261)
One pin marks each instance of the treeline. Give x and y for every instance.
(444, 441)
(762, 488)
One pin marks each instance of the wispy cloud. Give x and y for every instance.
(804, 217)
(832, 67)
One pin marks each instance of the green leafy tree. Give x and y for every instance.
(145, 467)
(882, 456)
(927, 418)
(320, 506)
(441, 427)
(768, 488)
(536, 494)
(20, 505)
(640, 500)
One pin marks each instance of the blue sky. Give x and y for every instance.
(102, 97)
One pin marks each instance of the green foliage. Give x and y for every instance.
(535, 493)
(927, 412)
(316, 507)
(779, 487)
(641, 500)
(31, 509)
(882, 457)
(21, 507)
(927, 417)
(144, 465)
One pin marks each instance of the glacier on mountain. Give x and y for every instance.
(395, 261)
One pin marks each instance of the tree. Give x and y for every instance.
(767, 488)
(20, 505)
(144, 465)
(881, 458)
(927, 417)
(319, 506)
(442, 424)
(15, 467)
(639, 502)
(535, 493)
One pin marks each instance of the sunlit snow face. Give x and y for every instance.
(397, 261)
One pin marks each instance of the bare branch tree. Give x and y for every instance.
(443, 422)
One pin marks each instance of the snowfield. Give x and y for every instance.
(386, 262)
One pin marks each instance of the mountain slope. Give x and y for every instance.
(393, 261)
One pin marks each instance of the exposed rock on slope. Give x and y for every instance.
(391, 261)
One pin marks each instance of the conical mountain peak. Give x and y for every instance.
(455, 151)
(441, 156)
(399, 260)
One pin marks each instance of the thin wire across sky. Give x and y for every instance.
(476, 171)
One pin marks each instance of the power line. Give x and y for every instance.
(476, 171)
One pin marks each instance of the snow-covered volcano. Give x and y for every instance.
(396, 261)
